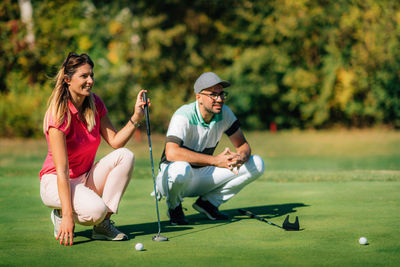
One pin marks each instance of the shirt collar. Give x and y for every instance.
(214, 119)
(72, 108)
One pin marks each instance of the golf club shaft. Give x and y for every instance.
(146, 110)
(252, 215)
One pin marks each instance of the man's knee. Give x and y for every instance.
(257, 166)
(179, 172)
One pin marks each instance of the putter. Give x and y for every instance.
(156, 237)
(288, 226)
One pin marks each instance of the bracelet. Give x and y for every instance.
(136, 124)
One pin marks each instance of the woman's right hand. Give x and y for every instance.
(66, 232)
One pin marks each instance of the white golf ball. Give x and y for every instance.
(363, 241)
(139, 246)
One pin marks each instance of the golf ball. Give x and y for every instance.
(363, 241)
(139, 246)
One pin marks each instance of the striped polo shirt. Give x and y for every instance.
(188, 129)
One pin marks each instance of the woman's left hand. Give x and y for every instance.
(139, 107)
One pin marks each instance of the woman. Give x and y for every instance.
(78, 190)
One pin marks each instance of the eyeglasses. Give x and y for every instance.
(214, 97)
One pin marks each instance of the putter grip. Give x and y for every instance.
(146, 113)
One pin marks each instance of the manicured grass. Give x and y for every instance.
(341, 184)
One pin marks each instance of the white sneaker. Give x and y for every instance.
(107, 231)
(56, 219)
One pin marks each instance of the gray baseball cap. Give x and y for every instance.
(208, 79)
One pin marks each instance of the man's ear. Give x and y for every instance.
(198, 97)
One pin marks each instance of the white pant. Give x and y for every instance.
(178, 179)
(95, 193)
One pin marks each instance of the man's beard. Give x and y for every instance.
(211, 111)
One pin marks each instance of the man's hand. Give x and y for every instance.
(242, 148)
(230, 160)
(227, 159)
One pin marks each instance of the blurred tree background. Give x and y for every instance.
(296, 63)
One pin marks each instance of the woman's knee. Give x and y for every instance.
(49, 191)
(126, 159)
(94, 214)
(127, 155)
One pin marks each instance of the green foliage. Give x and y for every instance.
(22, 110)
(299, 64)
(315, 63)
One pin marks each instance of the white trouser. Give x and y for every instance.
(178, 179)
(94, 193)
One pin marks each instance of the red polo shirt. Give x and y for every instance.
(82, 145)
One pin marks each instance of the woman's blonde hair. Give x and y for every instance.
(58, 101)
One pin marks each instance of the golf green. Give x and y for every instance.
(339, 195)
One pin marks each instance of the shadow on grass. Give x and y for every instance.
(273, 211)
(266, 211)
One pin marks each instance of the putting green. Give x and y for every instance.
(336, 204)
(333, 216)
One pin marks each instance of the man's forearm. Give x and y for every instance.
(244, 151)
(174, 153)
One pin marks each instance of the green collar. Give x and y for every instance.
(216, 118)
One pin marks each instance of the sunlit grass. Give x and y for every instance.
(341, 184)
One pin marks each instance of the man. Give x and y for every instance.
(188, 167)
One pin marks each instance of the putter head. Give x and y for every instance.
(159, 238)
(288, 226)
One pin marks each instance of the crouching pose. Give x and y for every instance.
(188, 167)
(77, 189)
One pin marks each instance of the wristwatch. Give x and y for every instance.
(136, 124)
